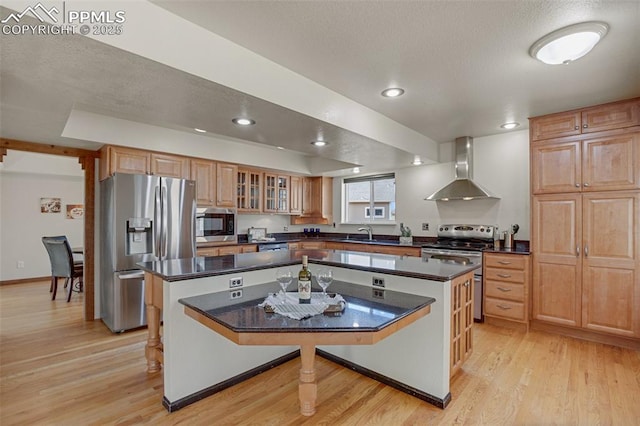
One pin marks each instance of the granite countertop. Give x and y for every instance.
(198, 267)
(369, 313)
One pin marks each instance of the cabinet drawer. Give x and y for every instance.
(504, 290)
(500, 274)
(506, 261)
(504, 308)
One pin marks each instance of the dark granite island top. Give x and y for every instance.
(198, 267)
(362, 308)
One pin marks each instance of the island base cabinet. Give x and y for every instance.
(461, 321)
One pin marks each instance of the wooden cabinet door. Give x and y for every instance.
(295, 204)
(611, 284)
(249, 191)
(312, 245)
(169, 166)
(461, 321)
(332, 245)
(556, 168)
(283, 194)
(555, 126)
(226, 181)
(312, 196)
(612, 116)
(611, 163)
(127, 160)
(204, 173)
(557, 273)
(270, 193)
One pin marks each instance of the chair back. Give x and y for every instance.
(60, 256)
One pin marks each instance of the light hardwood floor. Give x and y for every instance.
(57, 369)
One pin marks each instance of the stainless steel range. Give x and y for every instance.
(463, 244)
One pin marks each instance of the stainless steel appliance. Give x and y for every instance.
(463, 244)
(143, 218)
(273, 246)
(215, 224)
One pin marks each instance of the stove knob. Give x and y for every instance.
(441, 228)
(446, 229)
(481, 229)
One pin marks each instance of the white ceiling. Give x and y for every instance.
(464, 65)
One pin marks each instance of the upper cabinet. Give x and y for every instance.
(226, 183)
(317, 201)
(249, 191)
(609, 163)
(204, 173)
(276, 193)
(587, 120)
(295, 195)
(117, 159)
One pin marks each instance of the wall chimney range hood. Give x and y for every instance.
(463, 187)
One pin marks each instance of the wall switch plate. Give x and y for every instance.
(235, 294)
(235, 282)
(286, 228)
(425, 226)
(377, 281)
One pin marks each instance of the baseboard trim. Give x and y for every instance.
(25, 280)
(424, 396)
(592, 336)
(195, 397)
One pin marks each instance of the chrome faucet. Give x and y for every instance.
(369, 231)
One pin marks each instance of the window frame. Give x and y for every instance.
(367, 219)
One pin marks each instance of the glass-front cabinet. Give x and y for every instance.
(276, 193)
(249, 190)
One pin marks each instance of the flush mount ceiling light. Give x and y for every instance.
(319, 143)
(569, 43)
(356, 170)
(392, 92)
(243, 121)
(509, 126)
(200, 130)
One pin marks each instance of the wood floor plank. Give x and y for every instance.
(56, 369)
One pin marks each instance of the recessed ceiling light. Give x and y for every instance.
(392, 92)
(279, 147)
(319, 143)
(509, 126)
(569, 43)
(200, 130)
(356, 170)
(243, 121)
(417, 161)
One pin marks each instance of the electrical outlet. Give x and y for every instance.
(286, 228)
(425, 226)
(377, 293)
(235, 294)
(377, 281)
(20, 264)
(235, 282)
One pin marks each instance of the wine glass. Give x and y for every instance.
(325, 277)
(284, 278)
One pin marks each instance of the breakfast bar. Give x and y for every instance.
(214, 336)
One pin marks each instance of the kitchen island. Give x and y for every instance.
(198, 362)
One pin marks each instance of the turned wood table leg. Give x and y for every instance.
(307, 388)
(153, 340)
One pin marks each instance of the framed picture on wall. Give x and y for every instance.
(50, 205)
(75, 211)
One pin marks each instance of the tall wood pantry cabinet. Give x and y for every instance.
(585, 214)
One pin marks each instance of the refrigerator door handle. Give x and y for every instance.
(157, 212)
(165, 220)
(131, 275)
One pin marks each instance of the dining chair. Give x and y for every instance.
(62, 264)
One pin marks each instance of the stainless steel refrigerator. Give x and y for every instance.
(143, 218)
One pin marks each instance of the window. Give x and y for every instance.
(366, 194)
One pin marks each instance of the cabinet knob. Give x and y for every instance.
(466, 283)
(584, 126)
(586, 250)
(577, 185)
(586, 184)
(576, 128)
(577, 251)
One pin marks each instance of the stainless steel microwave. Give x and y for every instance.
(213, 224)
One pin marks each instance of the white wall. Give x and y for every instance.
(501, 165)
(24, 178)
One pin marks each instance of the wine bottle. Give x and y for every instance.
(304, 282)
